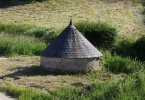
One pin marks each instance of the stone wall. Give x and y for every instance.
(70, 65)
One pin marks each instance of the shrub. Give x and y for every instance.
(118, 64)
(124, 47)
(98, 33)
(130, 47)
(139, 48)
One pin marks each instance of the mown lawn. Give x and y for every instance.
(25, 72)
(125, 15)
(22, 78)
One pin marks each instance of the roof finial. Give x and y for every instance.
(70, 21)
(71, 24)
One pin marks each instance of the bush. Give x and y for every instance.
(99, 34)
(139, 48)
(124, 47)
(118, 64)
(130, 47)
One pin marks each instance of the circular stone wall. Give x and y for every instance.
(70, 65)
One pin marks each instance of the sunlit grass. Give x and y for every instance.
(20, 45)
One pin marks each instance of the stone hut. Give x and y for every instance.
(71, 52)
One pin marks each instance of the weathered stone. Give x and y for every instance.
(70, 65)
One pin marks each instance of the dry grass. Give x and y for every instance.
(24, 71)
(125, 15)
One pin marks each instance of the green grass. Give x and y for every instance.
(44, 34)
(24, 39)
(131, 47)
(117, 64)
(124, 46)
(20, 45)
(122, 77)
(23, 93)
(131, 87)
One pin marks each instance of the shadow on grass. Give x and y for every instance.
(32, 71)
(9, 3)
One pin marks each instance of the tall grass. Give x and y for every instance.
(44, 34)
(130, 47)
(117, 64)
(24, 39)
(130, 88)
(22, 45)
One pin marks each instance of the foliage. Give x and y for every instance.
(130, 47)
(124, 47)
(131, 87)
(23, 45)
(98, 33)
(117, 64)
(139, 48)
(46, 35)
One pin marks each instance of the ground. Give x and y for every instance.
(25, 71)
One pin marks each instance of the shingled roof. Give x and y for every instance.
(71, 44)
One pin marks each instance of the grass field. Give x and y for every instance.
(22, 78)
(28, 26)
(125, 15)
(25, 72)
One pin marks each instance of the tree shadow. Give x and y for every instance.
(9, 3)
(32, 71)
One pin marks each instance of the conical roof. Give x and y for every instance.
(71, 44)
